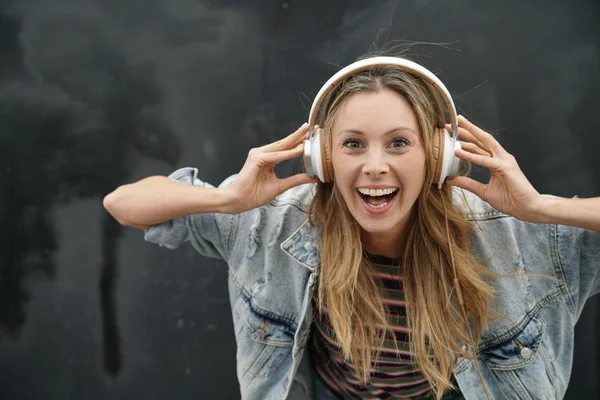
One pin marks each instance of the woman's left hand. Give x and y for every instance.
(508, 190)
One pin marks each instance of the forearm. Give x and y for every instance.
(583, 213)
(158, 199)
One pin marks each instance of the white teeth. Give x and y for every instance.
(379, 206)
(377, 192)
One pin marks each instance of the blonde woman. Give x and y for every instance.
(380, 279)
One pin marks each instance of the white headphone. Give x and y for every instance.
(316, 155)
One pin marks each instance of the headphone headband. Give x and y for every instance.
(366, 64)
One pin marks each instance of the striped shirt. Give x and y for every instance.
(394, 375)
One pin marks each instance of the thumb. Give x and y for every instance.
(295, 180)
(469, 184)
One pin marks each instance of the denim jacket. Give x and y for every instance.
(273, 258)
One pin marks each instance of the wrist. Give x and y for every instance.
(542, 209)
(230, 201)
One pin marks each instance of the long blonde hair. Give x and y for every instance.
(348, 288)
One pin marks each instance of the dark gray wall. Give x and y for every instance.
(94, 94)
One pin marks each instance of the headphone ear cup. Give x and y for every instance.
(438, 153)
(327, 164)
(447, 162)
(313, 156)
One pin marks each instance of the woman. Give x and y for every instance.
(379, 284)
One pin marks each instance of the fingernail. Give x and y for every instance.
(304, 125)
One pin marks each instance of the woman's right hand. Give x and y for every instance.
(257, 184)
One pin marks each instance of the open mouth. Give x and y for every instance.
(377, 198)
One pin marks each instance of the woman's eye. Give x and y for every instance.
(399, 143)
(351, 144)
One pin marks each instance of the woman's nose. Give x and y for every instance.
(375, 164)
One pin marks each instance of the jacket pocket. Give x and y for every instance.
(518, 350)
(516, 366)
(263, 341)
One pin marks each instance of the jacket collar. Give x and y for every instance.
(303, 246)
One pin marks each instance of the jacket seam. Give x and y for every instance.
(558, 266)
(231, 237)
(486, 216)
(284, 319)
(297, 204)
(521, 387)
(550, 371)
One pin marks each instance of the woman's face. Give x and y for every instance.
(379, 161)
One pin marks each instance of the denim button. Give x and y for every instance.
(260, 332)
(526, 353)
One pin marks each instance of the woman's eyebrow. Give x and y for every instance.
(390, 132)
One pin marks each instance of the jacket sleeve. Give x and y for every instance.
(211, 233)
(578, 253)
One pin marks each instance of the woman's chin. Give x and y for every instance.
(377, 227)
(391, 224)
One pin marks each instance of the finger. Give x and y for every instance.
(288, 142)
(472, 148)
(488, 140)
(469, 184)
(481, 160)
(293, 181)
(469, 137)
(465, 135)
(276, 157)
